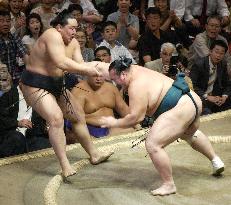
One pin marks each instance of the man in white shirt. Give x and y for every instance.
(175, 5)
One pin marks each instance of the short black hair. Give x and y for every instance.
(121, 64)
(100, 48)
(75, 7)
(4, 12)
(61, 18)
(152, 10)
(109, 23)
(219, 43)
(214, 16)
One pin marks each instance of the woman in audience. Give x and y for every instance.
(34, 28)
(87, 53)
(170, 22)
(168, 17)
(47, 12)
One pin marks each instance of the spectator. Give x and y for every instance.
(201, 45)
(47, 12)
(12, 49)
(103, 53)
(116, 48)
(210, 79)
(170, 22)
(161, 64)
(178, 6)
(77, 12)
(90, 14)
(87, 53)
(127, 24)
(4, 4)
(34, 28)
(151, 40)
(18, 19)
(168, 17)
(31, 4)
(12, 142)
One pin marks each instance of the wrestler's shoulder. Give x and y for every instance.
(51, 33)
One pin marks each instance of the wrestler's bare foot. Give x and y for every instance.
(165, 189)
(101, 157)
(67, 169)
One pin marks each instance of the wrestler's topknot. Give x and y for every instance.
(121, 64)
(61, 18)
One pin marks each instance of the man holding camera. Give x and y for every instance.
(168, 63)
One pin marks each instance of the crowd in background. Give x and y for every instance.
(168, 36)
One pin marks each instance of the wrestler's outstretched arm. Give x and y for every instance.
(56, 51)
(138, 102)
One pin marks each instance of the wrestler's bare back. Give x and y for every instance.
(41, 60)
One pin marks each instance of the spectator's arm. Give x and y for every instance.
(223, 8)
(200, 46)
(129, 55)
(179, 7)
(92, 18)
(142, 9)
(144, 50)
(133, 29)
(21, 48)
(188, 15)
(166, 25)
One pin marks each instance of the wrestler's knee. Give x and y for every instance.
(152, 146)
(190, 138)
(56, 120)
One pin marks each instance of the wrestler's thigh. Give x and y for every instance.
(170, 125)
(70, 107)
(42, 102)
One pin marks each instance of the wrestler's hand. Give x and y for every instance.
(93, 70)
(108, 121)
(103, 70)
